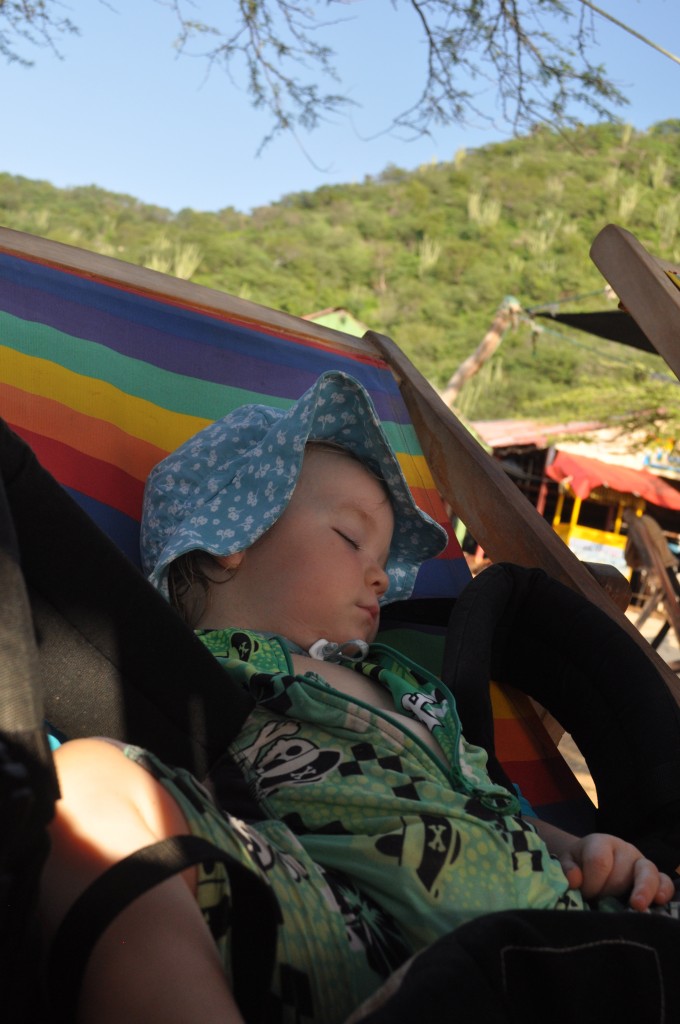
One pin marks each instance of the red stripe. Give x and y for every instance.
(544, 782)
(92, 477)
(453, 550)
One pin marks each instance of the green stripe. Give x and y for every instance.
(190, 396)
(175, 392)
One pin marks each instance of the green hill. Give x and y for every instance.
(427, 256)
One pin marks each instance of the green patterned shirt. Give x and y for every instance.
(434, 841)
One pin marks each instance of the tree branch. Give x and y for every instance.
(275, 50)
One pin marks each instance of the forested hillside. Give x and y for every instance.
(427, 256)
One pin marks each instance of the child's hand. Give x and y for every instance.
(603, 865)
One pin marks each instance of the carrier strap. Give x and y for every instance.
(255, 916)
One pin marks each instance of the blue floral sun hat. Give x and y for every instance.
(227, 485)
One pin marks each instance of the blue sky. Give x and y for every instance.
(122, 111)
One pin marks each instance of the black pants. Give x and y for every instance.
(544, 967)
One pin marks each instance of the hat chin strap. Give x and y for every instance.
(351, 650)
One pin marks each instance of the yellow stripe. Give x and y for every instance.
(161, 427)
(501, 702)
(416, 471)
(166, 429)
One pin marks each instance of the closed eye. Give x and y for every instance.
(349, 540)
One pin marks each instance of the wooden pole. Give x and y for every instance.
(506, 317)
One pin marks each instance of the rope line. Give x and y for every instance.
(609, 357)
(555, 303)
(631, 31)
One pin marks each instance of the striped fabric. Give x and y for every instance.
(103, 379)
(534, 763)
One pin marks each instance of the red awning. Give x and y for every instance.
(584, 475)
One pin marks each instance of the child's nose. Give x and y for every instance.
(378, 578)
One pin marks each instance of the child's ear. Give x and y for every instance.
(230, 561)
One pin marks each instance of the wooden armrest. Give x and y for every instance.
(612, 581)
(641, 282)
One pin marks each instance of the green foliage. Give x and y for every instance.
(427, 256)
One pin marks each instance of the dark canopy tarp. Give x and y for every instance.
(585, 474)
(614, 324)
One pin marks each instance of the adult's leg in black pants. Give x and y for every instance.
(533, 966)
(519, 626)
(115, 659)
(28, 788)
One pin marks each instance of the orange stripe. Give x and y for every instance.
(96, 438)
(509, 703)
(428, 499)
(514, 742)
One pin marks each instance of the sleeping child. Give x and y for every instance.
(350, 791)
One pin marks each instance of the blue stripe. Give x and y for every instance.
(179, 339)
(442, 577)
(121, 529)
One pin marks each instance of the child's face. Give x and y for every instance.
(319, 571)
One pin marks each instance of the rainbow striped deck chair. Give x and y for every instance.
(105, 368)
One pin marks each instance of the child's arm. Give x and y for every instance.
(156, 960)
(604, 865)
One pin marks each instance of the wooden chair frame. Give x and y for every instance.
(661, 576)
